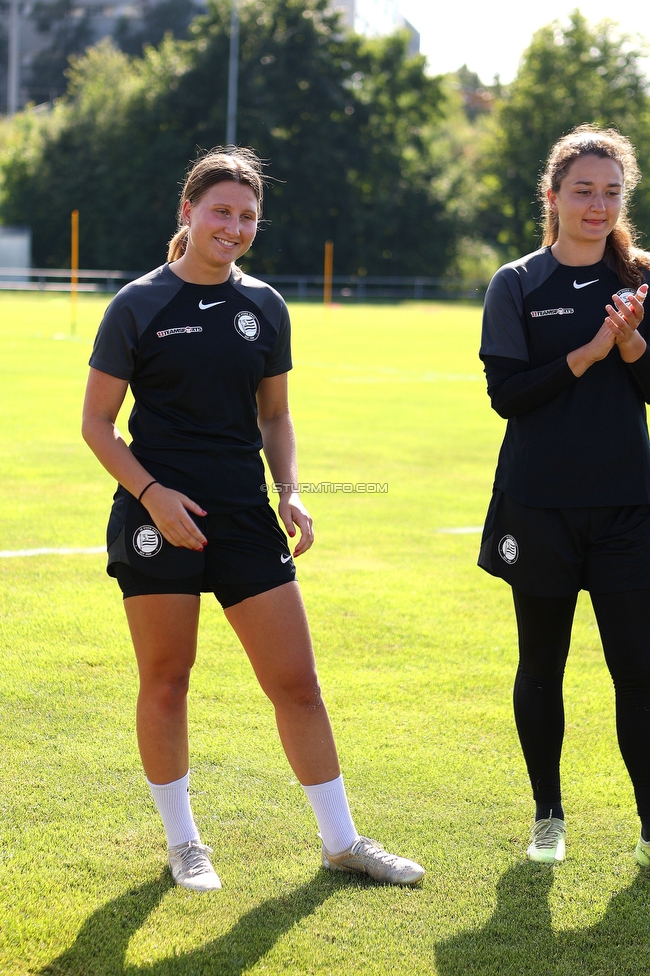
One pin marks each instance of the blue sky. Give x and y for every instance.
(491, 37)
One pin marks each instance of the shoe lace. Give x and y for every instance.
(546, 833)
(365, 845)
(195, 858)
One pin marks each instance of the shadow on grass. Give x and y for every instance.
(102, 943)
(518, 940)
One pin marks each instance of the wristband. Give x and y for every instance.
(146, 488)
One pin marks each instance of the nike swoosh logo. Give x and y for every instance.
(585, 283)
(212, 304)
(285, 559)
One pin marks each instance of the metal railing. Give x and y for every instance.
(60, 279)
(364, 288)
(360, 288)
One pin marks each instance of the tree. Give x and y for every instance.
(339, 117)
(348, 124)
(566, 77)
(477, 97)
(86, 153)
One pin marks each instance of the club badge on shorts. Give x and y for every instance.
(147, 541)
(508, 549)
(132, 538)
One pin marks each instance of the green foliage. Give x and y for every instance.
(456, 154)
(76, 157)
(566, 77)
(346, 122)
(477, 97)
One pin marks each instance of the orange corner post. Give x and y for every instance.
(329, 267)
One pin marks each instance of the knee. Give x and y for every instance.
(540, 678)
(634, 692)
(302, 691)
(631, 679)
(167, 688)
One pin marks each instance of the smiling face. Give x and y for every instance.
(588, 202)
(222, 224)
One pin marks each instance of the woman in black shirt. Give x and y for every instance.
(205, 349)
(567, 364)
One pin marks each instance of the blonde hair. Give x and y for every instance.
(621, 252)
(219, 165)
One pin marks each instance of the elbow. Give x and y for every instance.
(87, 429)
(272, 418)
(275, 425)
(503, 408)
(507, 405)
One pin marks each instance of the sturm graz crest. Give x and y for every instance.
(147, 540)
(247, 325)
(508, 549)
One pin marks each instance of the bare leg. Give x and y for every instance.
(273, 630)
(164, 631)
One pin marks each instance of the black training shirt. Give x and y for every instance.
(570, 442)
(194, 356)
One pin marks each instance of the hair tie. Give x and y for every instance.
(146, 488)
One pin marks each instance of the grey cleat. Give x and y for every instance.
(366, 856)
(191, 867)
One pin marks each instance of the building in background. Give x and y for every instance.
(15, 249)
(375, 18)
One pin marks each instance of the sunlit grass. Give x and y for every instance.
(416, 649)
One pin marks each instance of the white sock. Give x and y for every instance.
(330, 806)
(173, 802)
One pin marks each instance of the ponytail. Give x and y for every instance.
(177, 245)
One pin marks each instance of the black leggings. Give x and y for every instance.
(544, 626)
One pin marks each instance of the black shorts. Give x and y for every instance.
(555, 552)
(246, 554)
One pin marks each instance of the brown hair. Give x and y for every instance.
(588, 140)
(219, 165)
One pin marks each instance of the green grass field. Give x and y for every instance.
(417, 651)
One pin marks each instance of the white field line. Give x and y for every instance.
(94, 550)
(9, 553)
